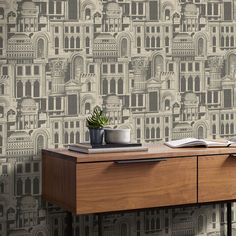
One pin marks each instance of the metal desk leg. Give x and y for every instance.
(99, 224)
(229, 219)
(69, 222)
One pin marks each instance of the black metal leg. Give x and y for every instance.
(99, 224)
(69, 222)
(229, 219)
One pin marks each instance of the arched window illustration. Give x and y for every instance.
(138, 42)
(124, 230)
(167, 132)
(183, 84)
(72, 140)
(28, 89)
(87, 42)
(1, 111)
(66, 42)
(19, 187)
(147, 42)
(56, 138)
(222, 41)
(214, 129)
(40, 143)
(87, 108)
(2, 189)
(57, 42)
(227, 41)
(167, 41)
(55, 232)
(124, 47)
(36, 89)
(36, 186)
(1, 13)
(1, 210)
(1, 45)
(104, 86)
(153, 133)
(227, 129)
(147, 133)
(87, 13)
(190, 83)
(158, 133)
(28, 186)
(89, 86)
(200, 224)
(168, 84)
(40, 49)
(200, 132)
(232, 41)
(120, 86)
(232, 128)
(197, 84)
(87, 136)
(77, 137)
(222, 129)
(158, 64)
(167, 14)
(158, 42)
(2, 89)
(214, 41)
(78, 66)
(200, 47)
(112, 86)
(77, 42)
(153, 42)
(167, 104)
(72, 42)
(138, 133)
(232, 63)
(66, 138)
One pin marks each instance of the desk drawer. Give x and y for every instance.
(111, 186)
(217, 178)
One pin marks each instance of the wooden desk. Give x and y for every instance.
(97, 183)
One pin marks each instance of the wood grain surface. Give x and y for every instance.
(216, 178)
(107, 186)
(58, 182)
(154, 151)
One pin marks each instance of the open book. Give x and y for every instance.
(194, 142)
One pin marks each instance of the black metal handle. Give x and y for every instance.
(140, 161)
(232, 155)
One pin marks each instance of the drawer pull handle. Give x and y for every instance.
(232, 155)
(140, 161)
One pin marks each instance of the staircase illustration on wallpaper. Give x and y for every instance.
(165, 69)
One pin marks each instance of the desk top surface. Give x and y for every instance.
(154, 151)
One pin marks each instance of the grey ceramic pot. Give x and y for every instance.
(96, 135)
(119, 136)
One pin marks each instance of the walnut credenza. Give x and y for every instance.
(160, 177)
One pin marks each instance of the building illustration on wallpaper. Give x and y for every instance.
(166, 69)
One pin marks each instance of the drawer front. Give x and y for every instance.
(109, 186)
(216, 178)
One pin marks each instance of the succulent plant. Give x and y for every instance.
(97, 119)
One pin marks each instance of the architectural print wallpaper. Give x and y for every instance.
(164, 68)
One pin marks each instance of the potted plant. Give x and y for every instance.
(95, 122)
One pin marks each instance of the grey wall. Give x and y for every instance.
(164, 68)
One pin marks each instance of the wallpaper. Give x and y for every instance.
(166, 69)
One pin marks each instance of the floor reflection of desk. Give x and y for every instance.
(99, 183)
